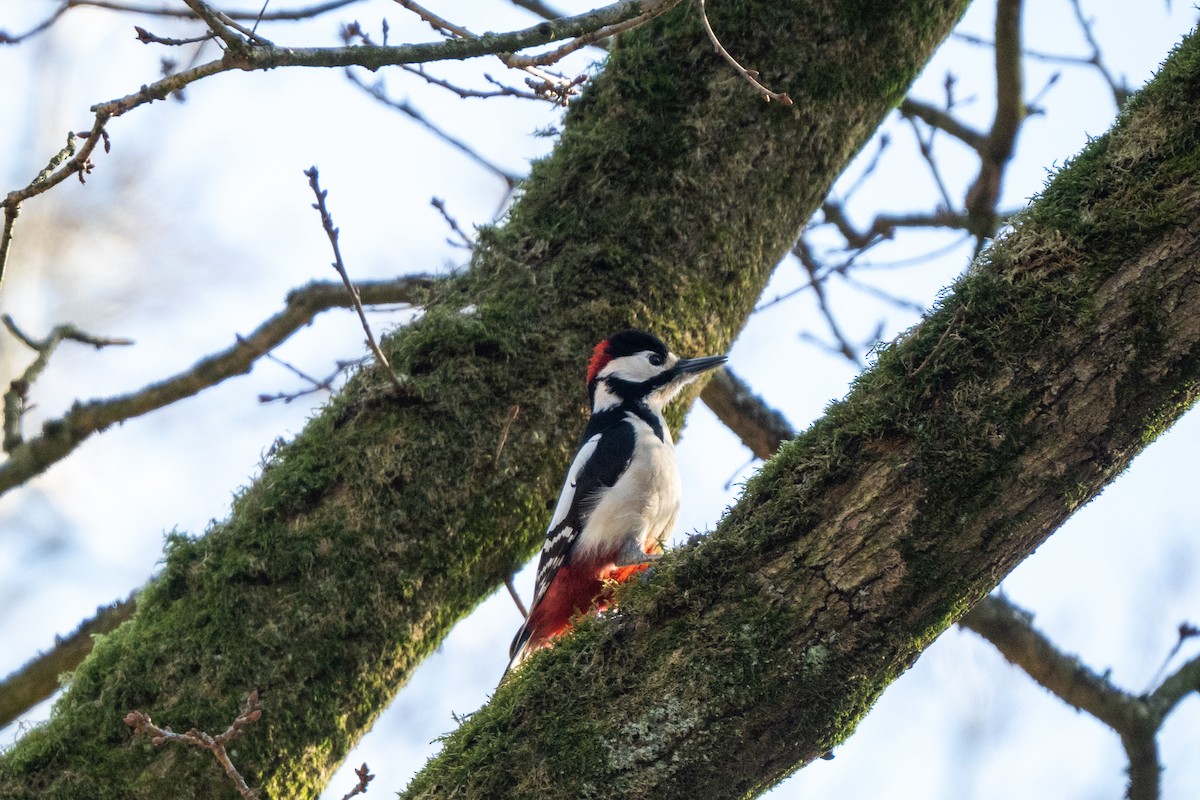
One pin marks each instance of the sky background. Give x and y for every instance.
(199, 221)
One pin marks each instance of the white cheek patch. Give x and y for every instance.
(635, 368)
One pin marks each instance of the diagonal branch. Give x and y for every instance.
(59, 437)
(761, 428)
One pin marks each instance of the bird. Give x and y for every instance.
(620, 499)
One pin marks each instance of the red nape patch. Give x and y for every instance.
(600, 358)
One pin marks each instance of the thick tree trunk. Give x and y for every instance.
(1073, 344)
(670, 198)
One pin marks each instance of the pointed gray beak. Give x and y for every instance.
(691, 367)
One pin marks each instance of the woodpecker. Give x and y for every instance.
(620, 499)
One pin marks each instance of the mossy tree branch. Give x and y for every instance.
(1069, 348)
(671, 196)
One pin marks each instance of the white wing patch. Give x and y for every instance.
(560, 535)
(567, 496)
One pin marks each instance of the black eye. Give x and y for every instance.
(655, 359)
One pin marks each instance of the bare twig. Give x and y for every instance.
(378, 91)
(555, 88)
(59, 437)
(251, 712)
(17, 38)
(264, 57)
(884, 226)
(364, 778)
(516, 598)
(941, 342)
(315, 384)
(941, 119)
(652, 10)
(538, 7)
(216, 24)
(501, 89)
(146, 37)
(39, 678)
(286, 15)
(439, 24)
(332, 232)
(1120, 90)
(750, 75)
(925, 148)
(509, 419)
(804, 254)
(1186, 631)
(15, 399)
(440, 205)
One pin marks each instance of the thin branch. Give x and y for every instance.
(925, 147)
(59, 437)
(340, 266)
(440, 205)
(1120, 90)
(251, 712)
(938, 118)
(516, 598)
(146, 37)
(1186, 631)
(652, 10)
(804, 254)
(501, 90)
(17, 38)
(884, 226)
(439, 24)
(364, 778)
(266, 56)
(1177, 686)
(378, 92)
(545, 85)
(216, 24)
(538, 7)
(1010, 629)
(15, 399)
(39, 678)
(315, 384)
(750, 75)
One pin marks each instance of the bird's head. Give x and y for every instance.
(637, 366)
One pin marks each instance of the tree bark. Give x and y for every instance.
(671, 196)
(1072, 344)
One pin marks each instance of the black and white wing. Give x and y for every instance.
(597, 467)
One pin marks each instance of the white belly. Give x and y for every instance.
(643, 504)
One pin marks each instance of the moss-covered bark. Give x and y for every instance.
(1074, 343)
(673, 193)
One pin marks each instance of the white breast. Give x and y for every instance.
(644, 502)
